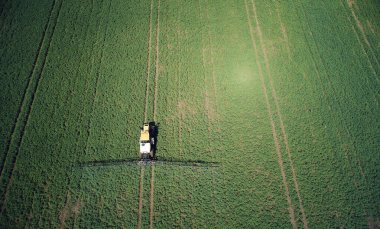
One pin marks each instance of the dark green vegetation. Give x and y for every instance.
(283, 95)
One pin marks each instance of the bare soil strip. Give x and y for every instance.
(274, 94)
(151, 206)
(64, 213)
(28, 101)
(157, 62)
(275, 138)
(142, 168)
(148, 61)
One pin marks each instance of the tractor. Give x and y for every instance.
(147, 141)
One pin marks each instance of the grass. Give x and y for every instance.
(283, 95)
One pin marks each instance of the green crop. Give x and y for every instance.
(282, 96)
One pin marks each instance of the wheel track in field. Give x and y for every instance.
(358, 163)
(363, 50)
(278, 110)
(151, 200)
(274, 133)
(148, 62)
(359, 25)
(23, 98)
(365, 53)
(142, 169)
(353, 146)
(157, 62)
(65, 103)
(27, 103)
(348, 135)
(157, 68)
(283, 32)
(330, 85)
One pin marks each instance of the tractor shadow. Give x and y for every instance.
(154, 127)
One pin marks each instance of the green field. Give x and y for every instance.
(282, 96)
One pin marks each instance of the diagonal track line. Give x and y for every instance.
(274, 133)
(157, 62)
(278, 110)
(142, 169)
(27, 103)
(151, 204)
(151, 200)
(148, 61)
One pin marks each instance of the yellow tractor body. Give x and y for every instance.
(146, 142)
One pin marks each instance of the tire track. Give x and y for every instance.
(361, 46)
(151, 204)
(274, 133)
(24, 95)
(27, 104)
(157, 62)
(142, 169)
(369, 89)
(359, 25)
(331, 87)
(283, 32)
(148, 62)
(278, 110)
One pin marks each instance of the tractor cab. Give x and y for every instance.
(146, 142)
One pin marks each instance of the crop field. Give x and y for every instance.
(273, 106)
